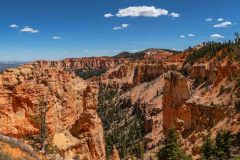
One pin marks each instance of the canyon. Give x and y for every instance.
(122, 107)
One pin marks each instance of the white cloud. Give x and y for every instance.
(120, 27)
(216, 36)
(29, 29)
(13, 26)
(220, 19)
(124, 25)
(108, 15)
(86, 50)
(144, 11)
(191, 35)
(117, 28)
(175, 15)
(223, 24)
(56, 37)
(208, 19)
(182, 36)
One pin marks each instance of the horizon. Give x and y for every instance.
(62, 29)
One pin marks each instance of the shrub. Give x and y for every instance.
(222, 89)
(4, 156)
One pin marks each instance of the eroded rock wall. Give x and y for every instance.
(72, 121)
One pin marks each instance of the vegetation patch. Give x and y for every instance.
(123, 123)
(210, 49)
(86, 74)
(222, 147)
(237, 105)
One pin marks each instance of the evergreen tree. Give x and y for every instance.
(237, 38)
(123, 149)
(139, 150)
(171, 150)
(237, 139)
(208, 149)
(237, 106)
(223, 144)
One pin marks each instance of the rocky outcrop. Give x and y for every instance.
(165, 99)
(82, 63)
(131, 74)
(147, 72)
(213, 72)
(175, 92)
(71, 118)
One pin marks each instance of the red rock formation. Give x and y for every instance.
(171, 103)
(172, 100)
(82, 63)
(72, 120)
(214, 72)
(175, 92)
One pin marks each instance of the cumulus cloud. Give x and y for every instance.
(182, 36)
(174, 15)
(216, 36)
(108, 15)
(145, 11)
(208, 19)
(124, 25)
(13, 26)
(56, 37)
(220, 19)
(223, 24)
(120, 27)
(29, 30)
(191, 35)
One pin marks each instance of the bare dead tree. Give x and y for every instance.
(42, 110)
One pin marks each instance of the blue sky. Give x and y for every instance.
(56, 29)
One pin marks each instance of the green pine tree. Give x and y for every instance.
(139, 151)
(171, 150)
(208, 149)
(237, 139)
(223, 144)
(237, 106)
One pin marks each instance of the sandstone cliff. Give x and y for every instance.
(72, 121)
